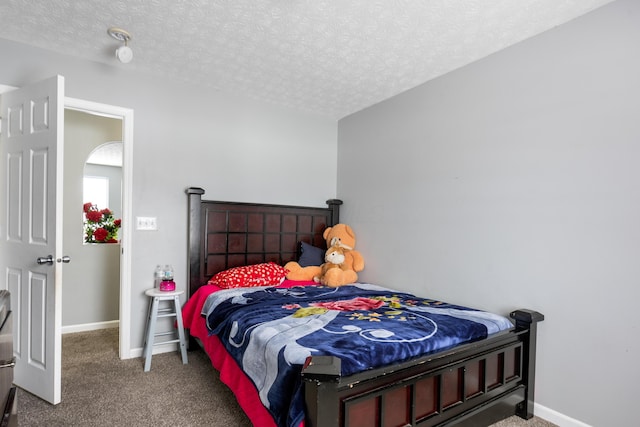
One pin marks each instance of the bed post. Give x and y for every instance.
(194, 272)
(334, 207)
(528, 320)
(320, 375)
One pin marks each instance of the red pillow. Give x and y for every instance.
(267, 274)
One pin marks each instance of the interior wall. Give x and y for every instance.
(91, 284)
(514, 182)
(235, 148)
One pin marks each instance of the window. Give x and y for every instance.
(96, 191)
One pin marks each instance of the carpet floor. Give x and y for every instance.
(99, 389)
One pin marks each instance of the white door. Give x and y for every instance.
(31, 146)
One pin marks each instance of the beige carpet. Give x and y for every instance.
(98, 389)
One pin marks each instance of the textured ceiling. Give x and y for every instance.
(327, 57)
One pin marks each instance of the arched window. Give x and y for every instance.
(102, 194)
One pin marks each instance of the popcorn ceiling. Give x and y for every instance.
(331, 58)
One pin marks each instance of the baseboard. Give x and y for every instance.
(90, 327)
(157, 349)
(556, 417)
(135, 352)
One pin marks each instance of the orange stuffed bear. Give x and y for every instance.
(333, 259)
(341, 235)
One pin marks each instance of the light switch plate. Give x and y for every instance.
(146, 223)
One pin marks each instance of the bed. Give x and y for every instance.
(476, 382)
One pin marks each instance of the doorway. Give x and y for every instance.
(91, 284)
(125, 117)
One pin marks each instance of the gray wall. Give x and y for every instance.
(235, 148)
(91, 282)
(514, 182)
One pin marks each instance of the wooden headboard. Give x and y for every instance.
(231, 234)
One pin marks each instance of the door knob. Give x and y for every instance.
(66, 259)
(45, 260)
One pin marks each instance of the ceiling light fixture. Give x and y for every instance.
(123, 53)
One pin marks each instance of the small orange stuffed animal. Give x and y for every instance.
(334, 259)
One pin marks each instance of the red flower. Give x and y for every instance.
(100, 234)
(94, 216)
(100, 226)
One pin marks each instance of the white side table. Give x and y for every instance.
(155, 312)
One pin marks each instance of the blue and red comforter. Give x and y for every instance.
(271, 331)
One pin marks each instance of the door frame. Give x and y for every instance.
(126, 115)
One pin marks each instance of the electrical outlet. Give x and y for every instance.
(146, 223)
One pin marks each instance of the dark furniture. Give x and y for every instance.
(470, 385)
(7, 362)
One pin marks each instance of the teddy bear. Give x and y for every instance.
(334, 259)
(341, 235)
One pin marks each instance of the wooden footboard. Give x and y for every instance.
(474, 384)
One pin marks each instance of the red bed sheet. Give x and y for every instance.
(230, 373)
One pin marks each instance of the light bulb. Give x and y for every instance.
(124, 54)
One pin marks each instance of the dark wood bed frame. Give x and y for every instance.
(469, 385)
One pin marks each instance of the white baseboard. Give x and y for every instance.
(90, 327)
(556, 417)
(135, 352)
(157, 349)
